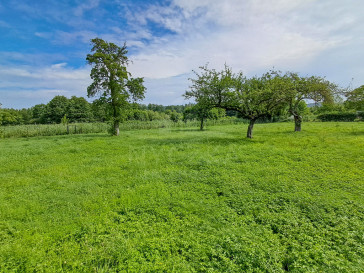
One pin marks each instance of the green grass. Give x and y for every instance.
(181, 200)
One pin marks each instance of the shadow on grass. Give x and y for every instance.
(71, 136)
(190, 140)
(356, 133)
(188, 130)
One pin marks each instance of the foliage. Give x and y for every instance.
(355, 99)
(111, 80)
(212, 88)
(328, 108)
(298, 89)
(39, 113)
(10, 117)
(175, 116)
(338, 116)
(56, 109)
(175, 200)
(252, 98)
(65, 120)
(99, 110)
(264, 97)
(79, 110)
(201, 113)
(162, 108)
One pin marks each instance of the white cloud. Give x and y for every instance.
(252, 36)
(44, 35)
(245, 34)
(25, 86)
(166, 91)
(20, 85)
(4, 24)
(80, 9)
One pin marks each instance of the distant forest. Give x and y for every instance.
(77, 109)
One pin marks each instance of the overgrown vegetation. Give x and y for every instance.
(182, 200)
(92, 128)
(78, 110)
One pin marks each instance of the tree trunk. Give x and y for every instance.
(116, 128)
(297, 123)
(201, 124)
(250, 128)
(116, 118)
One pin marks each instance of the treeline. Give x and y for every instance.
(78, 110)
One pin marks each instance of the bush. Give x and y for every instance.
(360, 116)
(338, 116)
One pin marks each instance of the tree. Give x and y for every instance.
(10, 117)
(211, 89)
(198, 112)
(259, 97)
(79, 110)
(175, 116)
(202, 113)
(111, 80)
(39, 113)
(253, 98)
(56, 109)
(99, 110)
(355, 99)
(297, 89)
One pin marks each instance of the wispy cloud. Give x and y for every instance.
(80, 9)
(41, 83)
(246, 34)
(4, 24)
(252, 36)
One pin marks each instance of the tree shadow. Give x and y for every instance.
(76, 136)
(193, 140)
(187, 130)
(356, 133)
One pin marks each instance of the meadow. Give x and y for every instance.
(184, 200)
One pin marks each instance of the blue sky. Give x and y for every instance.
(43, 44)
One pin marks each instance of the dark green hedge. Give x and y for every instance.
(338, 116)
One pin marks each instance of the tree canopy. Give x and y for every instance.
(355, 99)
(297, 89)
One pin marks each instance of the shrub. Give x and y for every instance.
(338, 116)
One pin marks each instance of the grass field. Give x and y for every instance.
(181, 200)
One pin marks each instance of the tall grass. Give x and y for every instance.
(51, 129)
(94, 128)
